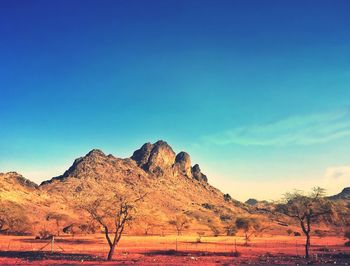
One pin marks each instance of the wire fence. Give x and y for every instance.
(170, 245)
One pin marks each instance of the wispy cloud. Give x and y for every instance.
(295, 130)
(338, 173)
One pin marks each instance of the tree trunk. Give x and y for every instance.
(111, 252)
(307, 246)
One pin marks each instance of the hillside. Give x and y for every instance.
(174, 185)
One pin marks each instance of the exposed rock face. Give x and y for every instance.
(159, 159)
(183, 164)
(197, 174)
(142, 155)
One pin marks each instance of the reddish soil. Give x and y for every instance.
(170, 250)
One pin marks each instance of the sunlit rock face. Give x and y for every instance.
(197, 174)
(157, 158)
(182, 164)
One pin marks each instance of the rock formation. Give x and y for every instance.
(159, 159)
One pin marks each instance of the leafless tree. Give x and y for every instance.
(112, 209)
(180, 222)
(306, 209)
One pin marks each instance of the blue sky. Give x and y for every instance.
(256, 91)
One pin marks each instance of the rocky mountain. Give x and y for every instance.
(175, 187)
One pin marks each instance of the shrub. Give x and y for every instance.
(45, 234)
(320, 233)
(289, 231)
(231, 230)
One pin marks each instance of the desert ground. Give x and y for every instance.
(172, 250)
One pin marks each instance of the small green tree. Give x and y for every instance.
(306, 209)
(249, 226)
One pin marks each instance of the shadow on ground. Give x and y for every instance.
(61, 240)
(43, 255)
(173, 252)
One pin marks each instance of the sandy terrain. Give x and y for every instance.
(171, 250)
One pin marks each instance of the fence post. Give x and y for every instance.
(52, 243)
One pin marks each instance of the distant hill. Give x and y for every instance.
(343, 195)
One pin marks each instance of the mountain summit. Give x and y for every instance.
(159, 159)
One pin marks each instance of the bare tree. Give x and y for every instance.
(250, 226)
(180, 222)
(306, 209)
(112, 209)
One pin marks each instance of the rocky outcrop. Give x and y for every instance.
(159, 159)
(182, 164)
(142, 155)
(197, 174)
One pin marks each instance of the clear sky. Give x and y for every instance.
(258, 92)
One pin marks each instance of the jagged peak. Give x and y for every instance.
(159, 157)
(95, 152)
(18, 178)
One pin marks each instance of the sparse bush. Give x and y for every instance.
(45, 234)
(227, 197)
(208, 206)
(250, 226)
(215, 230)
(289, 231)
(199, 238)
(58, 218)
(320, 233)
(180, 222)
(225, 217)
(231, 230)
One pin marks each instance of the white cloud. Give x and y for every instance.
(338, 173)
(295, 130)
